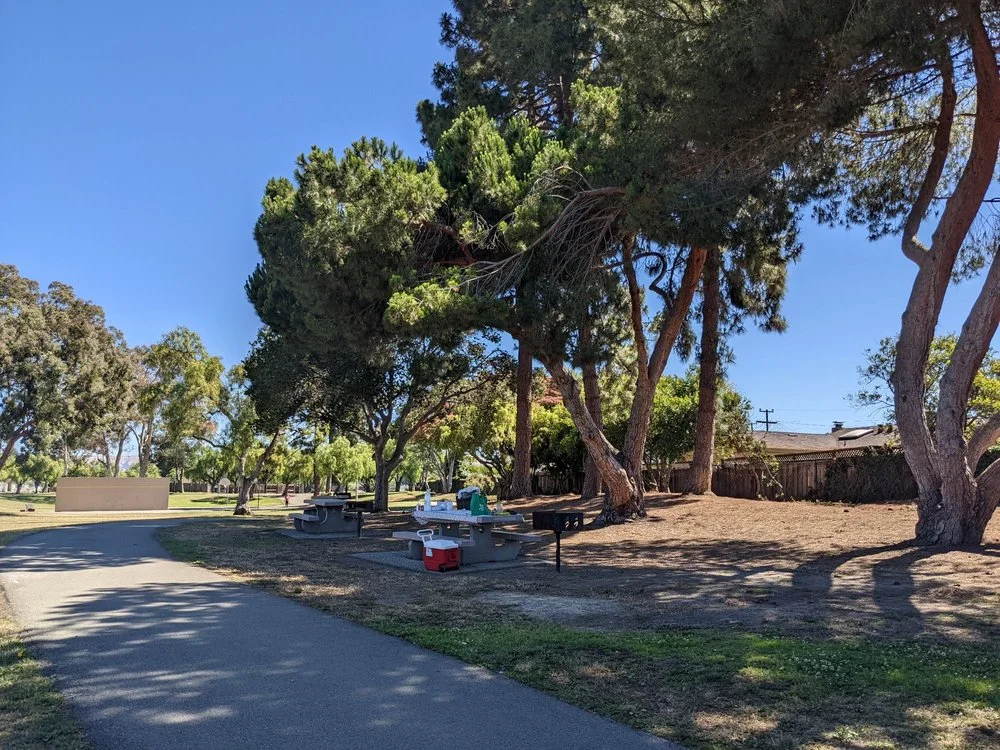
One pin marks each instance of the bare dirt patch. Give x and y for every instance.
(803, 567)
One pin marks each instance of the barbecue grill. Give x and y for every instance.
(557, 522)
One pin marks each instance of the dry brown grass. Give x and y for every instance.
(716, 622)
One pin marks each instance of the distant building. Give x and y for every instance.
(837, 439)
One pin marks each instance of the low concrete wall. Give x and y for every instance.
(110, 493)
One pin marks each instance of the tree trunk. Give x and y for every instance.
(8, 449)
(953, 506)
(624, 496)
(145, 448)
(592, 396)
(247, 482)
(521, 482)
(107, 456)
(622, 471)
(449, 476)
(117, 470)
(708, 378)
(315, 492)
(383, 470)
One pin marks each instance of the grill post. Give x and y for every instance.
(558, 533)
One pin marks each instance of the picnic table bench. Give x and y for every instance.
(328, 515)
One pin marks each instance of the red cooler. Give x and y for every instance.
(440, 555)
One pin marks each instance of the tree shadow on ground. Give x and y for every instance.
(185, 666)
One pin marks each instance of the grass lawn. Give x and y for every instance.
(716, 623)
(209, 500)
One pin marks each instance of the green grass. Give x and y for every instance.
(800, 692)
(209, 499)
(39, 498)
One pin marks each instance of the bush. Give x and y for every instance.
(878, 475)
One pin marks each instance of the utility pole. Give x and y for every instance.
(766, 421)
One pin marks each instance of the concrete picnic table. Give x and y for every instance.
(480, 545)
(328, 516)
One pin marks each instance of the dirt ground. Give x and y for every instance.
(796, 567)
(848, 570)
(817, 568)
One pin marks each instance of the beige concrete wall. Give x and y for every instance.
(109, 493)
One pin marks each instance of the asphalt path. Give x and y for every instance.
(155, 653)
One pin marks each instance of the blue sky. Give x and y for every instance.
(136, 140)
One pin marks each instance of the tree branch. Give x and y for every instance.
(912, 247)
(984, 437)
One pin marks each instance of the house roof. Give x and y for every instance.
(838, 439)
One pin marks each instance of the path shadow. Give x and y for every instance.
(217, 664)
(74, 548)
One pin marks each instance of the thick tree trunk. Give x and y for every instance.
(383, 470)
(624, 496)
(953, 507)
(521, 482)
(592, 396)
(708, 378)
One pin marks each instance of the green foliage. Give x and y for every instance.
(879, 475)
(333, 243)
(135, 470)
(876, 378)
(185, 384)
(42, 470)
(58, 377)
(512, 59)
(209, 465)
(346, 462)
(556, 446)
(476, 167)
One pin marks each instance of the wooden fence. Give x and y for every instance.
(797, 477)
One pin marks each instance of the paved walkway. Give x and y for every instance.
(153, 653)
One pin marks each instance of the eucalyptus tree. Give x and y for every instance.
(57, 373)
(178, 392)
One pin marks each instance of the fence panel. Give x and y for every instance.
(885, 478)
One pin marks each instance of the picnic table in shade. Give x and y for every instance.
(485, 542)
(331, 515)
